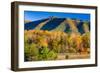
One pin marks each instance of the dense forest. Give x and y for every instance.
(46, 45)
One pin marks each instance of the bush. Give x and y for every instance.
(52, 55)
(31, 51)
(72, 50)
(46, 54)
(67, 56)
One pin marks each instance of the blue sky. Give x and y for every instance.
(37, 15)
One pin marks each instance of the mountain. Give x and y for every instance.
(32, 25)
(27, 21)
(59, 24)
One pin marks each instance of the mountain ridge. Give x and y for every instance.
(59, 24)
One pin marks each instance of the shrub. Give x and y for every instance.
(46, 54)
(31, 51)
(67, 56)
(72, 50)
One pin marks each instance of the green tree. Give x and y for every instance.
(31, 51)
(46, 54)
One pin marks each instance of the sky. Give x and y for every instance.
(38, 15)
